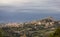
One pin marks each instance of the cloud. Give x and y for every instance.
(21, 10)
(17, 5)
(12, 2)
(21, 1)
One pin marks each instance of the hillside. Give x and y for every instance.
(36, 28)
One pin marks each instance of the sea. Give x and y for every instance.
(6, 17)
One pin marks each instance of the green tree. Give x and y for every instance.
(1, 33)
(56, 33)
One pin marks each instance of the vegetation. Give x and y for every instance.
(56, 33)
(2, 33)
(47, 29)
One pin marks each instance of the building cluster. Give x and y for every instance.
(48, 22)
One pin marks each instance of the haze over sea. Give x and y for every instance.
(27, 10)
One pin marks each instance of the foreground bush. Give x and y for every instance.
(56, 33)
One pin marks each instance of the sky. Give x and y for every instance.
(30, 4)
(21, 10)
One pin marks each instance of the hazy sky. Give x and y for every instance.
(31, 4)
(13, 10)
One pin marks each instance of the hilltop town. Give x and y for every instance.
(36, 28)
